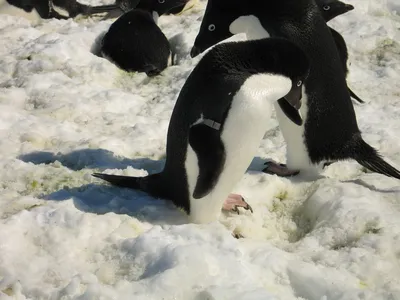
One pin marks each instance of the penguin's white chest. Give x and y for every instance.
(242, 132)
(8, 9)
(250, 25)
(296, 154)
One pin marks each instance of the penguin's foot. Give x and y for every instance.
(279, 169)
(237, 235)
(234, 201)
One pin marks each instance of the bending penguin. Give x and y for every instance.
(329, 132)
(134, 42)
(331, 9)
(36, 10)
(218, 122)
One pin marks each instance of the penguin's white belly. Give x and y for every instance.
(8, 9)
(296, 154)
(242, 132)
(296, 150)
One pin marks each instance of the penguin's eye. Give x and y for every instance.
(299, 83)
(326, 7)
(161, 1)
(211, 27)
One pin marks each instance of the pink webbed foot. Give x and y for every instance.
(234, 201)
(279, 169)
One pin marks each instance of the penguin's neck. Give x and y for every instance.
(251, 26)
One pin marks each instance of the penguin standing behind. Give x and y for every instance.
(35, 10)
(330, 131)
(134, 42)
(217, 123)
(331, 9)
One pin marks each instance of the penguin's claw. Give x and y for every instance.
(281, 170)
(237, 235)
(234, 201)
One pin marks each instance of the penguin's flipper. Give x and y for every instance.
(90, 10)
(290, 112)
(207, 144)
(354, 96)
(113, 14)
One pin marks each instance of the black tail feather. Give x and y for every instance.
(101, 9)
(369, 158)
(355, 96)
(152, 184)
(122, 181)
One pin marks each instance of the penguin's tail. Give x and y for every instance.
(369, 158)
(90, 10)
(150, 184)
(354, 96)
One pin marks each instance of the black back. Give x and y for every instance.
(45, 8)
(26, 5)
(134, 42)
(209, 91)
(159, 6)
(332, 8)
(300, 21)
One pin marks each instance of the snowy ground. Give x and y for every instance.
(66, 113)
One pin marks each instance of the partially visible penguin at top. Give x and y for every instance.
(218, 122)
(135, 43)
(331, 9)
(156, 7)
(36, 10)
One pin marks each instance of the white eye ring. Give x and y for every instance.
(161, 1)
(326, 7)
(299, 83)
(211, 27)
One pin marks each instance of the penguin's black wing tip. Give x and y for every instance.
(354, 96)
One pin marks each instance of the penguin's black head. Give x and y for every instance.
(224, 18)
(287, 59)
(161, 6)
(26, 5)
(332, 8)
(218, 17)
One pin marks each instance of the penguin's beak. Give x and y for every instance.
(194, 52)
(349, 7)
(294, 96)
(291, 103)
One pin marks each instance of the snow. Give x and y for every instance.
(66, 113)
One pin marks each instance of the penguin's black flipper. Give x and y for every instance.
(90, 10)
(369, 158)
(290, 112)
(113, 14)
(207, 144)
(122, 181)
(354, 96)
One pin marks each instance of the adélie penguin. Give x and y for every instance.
(218, 121)
(330, 9)
(329, 132)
